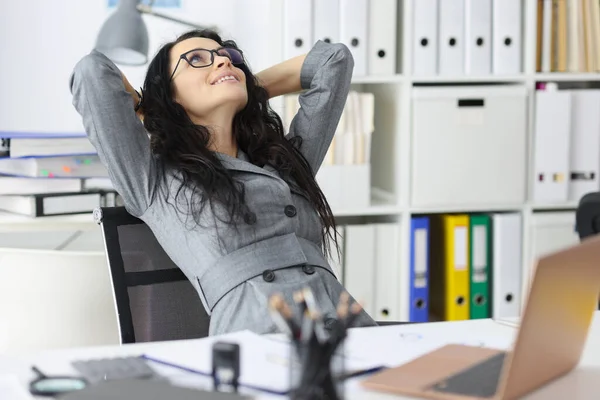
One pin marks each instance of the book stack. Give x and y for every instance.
(568, 36)
(42, 175)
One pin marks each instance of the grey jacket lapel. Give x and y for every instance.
(242, 163)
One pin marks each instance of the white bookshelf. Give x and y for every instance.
(393, 132)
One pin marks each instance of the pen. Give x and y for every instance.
(355, 309)
(311, 304)
(282, 324)
(319, 326)
(284, 313)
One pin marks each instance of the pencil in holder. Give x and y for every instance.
(316, 370)
(316, 362)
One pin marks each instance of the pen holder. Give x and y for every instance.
(316, 370)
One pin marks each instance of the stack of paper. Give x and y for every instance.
(45, 174)
(264, 361)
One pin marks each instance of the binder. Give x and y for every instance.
(258, 44)
(480, 241)
(549, 232)
(382, 37)
(506, 36)
(425, 38)
(419, 270)
(47, 204)
(387, 272)
(326, 21)
(297, 16)
(573, 37)
(451, 37)
(54, 167)
(506, 262)
(449, 278)
(353, 31)
(359, 268)
(546, 33)
(585, 143)
(478, 37)
(551, 145)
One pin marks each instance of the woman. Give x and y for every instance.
(232, 201)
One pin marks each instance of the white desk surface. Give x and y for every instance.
(12, 222)
(581, 383)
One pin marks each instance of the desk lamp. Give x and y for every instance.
(124, 37)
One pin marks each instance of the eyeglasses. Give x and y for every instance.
(200, 58)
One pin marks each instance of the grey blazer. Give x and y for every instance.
(278, 248)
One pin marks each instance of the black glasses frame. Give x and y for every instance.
(212, 58)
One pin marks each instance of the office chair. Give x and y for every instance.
(154, 299)
(587, 217)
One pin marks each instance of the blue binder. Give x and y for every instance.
(419, 269)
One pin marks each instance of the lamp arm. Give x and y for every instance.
(146, 9)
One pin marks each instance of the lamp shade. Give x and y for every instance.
(124, 37)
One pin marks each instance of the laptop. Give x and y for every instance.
(554, 327)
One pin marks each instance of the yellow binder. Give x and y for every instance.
(449, 283)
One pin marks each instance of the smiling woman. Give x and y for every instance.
(218, 155)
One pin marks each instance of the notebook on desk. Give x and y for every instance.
(147, 390)
(558, 315)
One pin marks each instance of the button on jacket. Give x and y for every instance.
(278, 247)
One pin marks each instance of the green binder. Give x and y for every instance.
(480, 236)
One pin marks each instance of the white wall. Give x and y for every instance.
(41, 41)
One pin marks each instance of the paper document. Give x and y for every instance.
(11, 388)
(395, 345)
(264, 361)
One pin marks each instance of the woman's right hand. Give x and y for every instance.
(134, 95)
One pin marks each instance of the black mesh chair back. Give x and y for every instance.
(587, 217)
(155, 300)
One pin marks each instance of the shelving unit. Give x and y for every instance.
(395, 173)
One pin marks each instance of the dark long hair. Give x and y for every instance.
(180, 144)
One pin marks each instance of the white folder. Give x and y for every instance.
(326, 20)
(585, 143)
(478, 37)
(551, 145)
(546, 35)
(382, 37)
(297, 16)
(507, 36)
(387, 272)
(354, 16)
(359, 268)
(451, 37)
(425, 38)
(506, 265)
(548, 232)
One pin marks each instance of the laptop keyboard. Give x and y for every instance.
(480, 380)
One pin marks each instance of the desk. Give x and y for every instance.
(583, 383)
(14, 222)
(77, 232)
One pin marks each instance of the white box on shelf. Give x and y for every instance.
(329, 178)
(346, 186)
(469, 146)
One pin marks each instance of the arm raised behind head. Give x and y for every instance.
(325, 75)
(106, 100)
